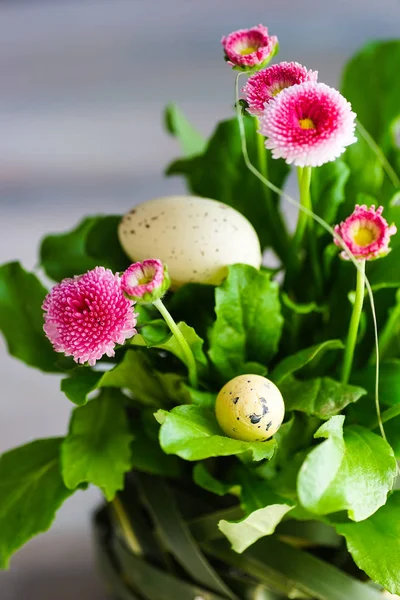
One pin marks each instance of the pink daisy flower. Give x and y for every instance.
(87, 315)
(146, 281)
(266, 84)
(308, 124)
(246, 49)
(366, 233)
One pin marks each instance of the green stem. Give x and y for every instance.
(187, 352)
(390, 330)
(354, 323)
(126, 529)
(304, 179)
(276, 225)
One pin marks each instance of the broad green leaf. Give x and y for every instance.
(375, 544)
(259, 523)
(193, 433)
(97, 447)
(297, 361)
(203, 478)
(352, 470)
(294, 437)
(327, 189)
(249, 321)
(191, 140)
(83, 248)
(156, 334)
(31, 491)
(80, 383)
(223, 176)
(321, 397)
(147, 455)
(389, 381)
(290, 571)
(201, 397)
(370, 83)
(21, 317)
(134, 373)
(176, 536)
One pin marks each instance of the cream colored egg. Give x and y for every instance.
(250, 408)
(196, 237)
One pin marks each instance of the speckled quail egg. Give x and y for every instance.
(250, 408)
(196, 237)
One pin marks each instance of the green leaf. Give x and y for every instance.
(201, 397)
(191, 140)
(223, 176)
(249, 321)
(83, 248)
(389, 381)
(134, 373)
(370, 83)
(193, 433)
(21, 317)
(375, 544)
(328, 189)
(32, 490)
(203, 478)
(97, 447)
(289, 571)
(147, 455)
(80, 383)
(156, 334)
(352, 470)
(322, 397)
(259, 523)
(176, 535)
(297, 361)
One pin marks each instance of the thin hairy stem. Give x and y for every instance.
(327, 228)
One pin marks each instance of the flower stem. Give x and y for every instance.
(126, 528)
(187, 352)
(354, 323)
(304, 222)
(304, 179)
(276, 225)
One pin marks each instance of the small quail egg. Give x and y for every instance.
(196, 237)
(250, 408)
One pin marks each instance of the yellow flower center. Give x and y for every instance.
(248, 50)
(364, 236)
(306, 124)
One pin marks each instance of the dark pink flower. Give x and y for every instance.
(247, 49)
(146, 281)
(308, 124)
(266, 84)
(366, 233)
(87, 315)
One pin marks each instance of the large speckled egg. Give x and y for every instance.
(196, 237)
(250, 408)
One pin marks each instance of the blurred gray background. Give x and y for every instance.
(82, 87)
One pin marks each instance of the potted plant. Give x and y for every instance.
(242, 420)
